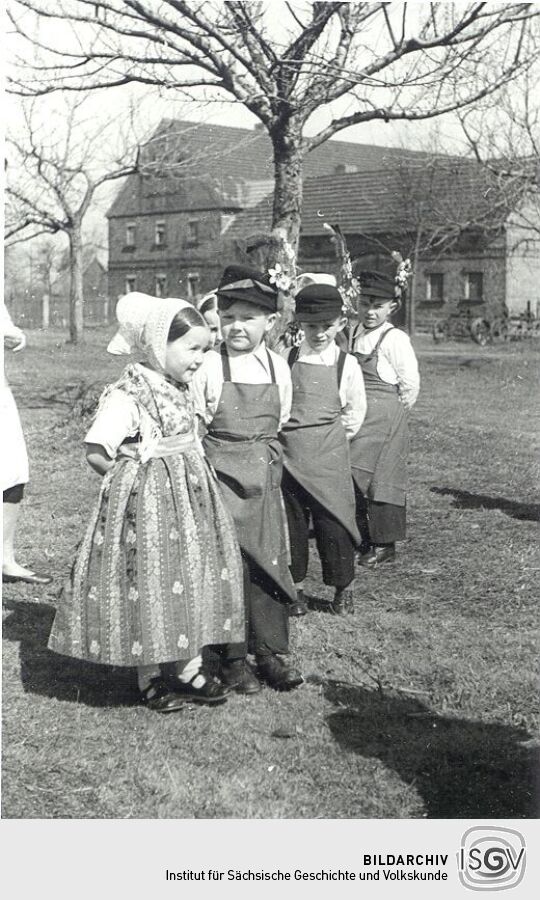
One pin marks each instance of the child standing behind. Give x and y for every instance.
(243, 395)
(158, 574)
(328, 408)
(379, 450)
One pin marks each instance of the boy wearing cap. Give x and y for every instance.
(379, 450)
(328, 408)
(243, 395)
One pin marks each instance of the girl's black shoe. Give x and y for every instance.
(201, 689)
(159, 697)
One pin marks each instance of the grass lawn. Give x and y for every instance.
(422, 704)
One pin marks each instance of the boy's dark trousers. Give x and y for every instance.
(379, 523)
(267, 617)
(334, 543)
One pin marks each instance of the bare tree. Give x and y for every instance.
(54, 172)
(504, 138)
(351, 63)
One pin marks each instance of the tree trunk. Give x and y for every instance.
(287, 209)
(286, 215)
(45, 311)
(410, 319)
(76, 298)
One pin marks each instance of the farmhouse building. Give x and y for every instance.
(473, 238)
(169, 224)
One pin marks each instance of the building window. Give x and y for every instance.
(131, 283)
(474, 287)
(160, 235)
(130, 235)
(435, 287)
(193, 231)
(192, 285)
(161, 285)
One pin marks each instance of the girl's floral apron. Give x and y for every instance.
(158, 574)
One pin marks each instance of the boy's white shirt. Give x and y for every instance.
(352, 392)
(396, 363)
(246, 368)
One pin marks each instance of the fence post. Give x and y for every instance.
(45, 311)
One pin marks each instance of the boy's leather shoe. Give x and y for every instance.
(237, 676)
(160, 698)
(343, 602)
(299, 607)
(277, 674)
(378, 555)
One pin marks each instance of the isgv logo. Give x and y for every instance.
(491, 858)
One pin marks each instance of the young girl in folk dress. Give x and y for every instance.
(158, 574)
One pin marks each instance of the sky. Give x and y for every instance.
(115, 102)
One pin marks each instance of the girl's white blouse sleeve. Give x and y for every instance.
(117, 418)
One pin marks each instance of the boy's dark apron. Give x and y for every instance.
(243, 447)
(315, 434)
(379, 450)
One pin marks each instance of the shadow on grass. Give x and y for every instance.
(461, 768)
(51, 675)
(528, 512)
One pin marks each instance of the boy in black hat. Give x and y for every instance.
(243, 394)
(328, 408)
(379, 450)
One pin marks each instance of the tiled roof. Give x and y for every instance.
(223, 166)
(393, 197)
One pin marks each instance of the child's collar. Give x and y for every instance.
(259, 351)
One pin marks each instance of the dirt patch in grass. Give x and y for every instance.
(422, 704)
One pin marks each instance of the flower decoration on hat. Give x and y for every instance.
(279, 277)
(404, 271)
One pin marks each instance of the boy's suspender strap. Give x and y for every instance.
(271, 366)
(340, 366)
(225, 363)
(381, 339)
(293, 356)
(342, 356)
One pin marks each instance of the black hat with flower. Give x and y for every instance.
(249, 285)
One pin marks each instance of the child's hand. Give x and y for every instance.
(15, 342)
(98, 459)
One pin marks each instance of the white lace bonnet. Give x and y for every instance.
(306, 278)
(144, 325)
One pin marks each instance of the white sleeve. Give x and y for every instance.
(8, 329)
(206, 387)
(117, 419)
(284, 383)
(398, 350)
(353, 397)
